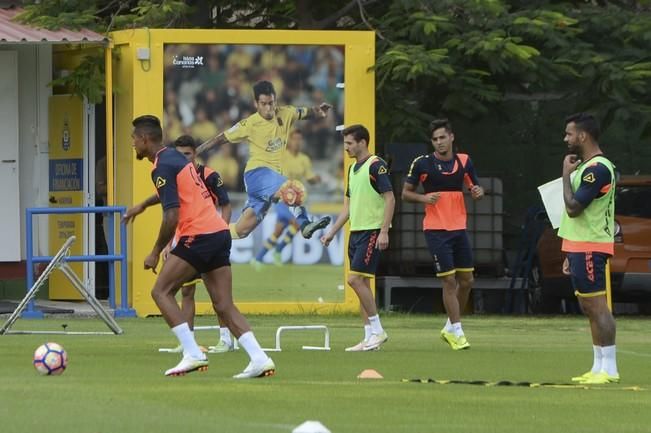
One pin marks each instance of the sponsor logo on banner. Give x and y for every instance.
(187, 62)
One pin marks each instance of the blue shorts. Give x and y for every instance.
(364, 256)
(283, 213)
(588, 272)
(451, 251)
(261, 185)
(205, 252)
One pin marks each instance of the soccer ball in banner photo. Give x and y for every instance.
(50, 359)
(293, 193)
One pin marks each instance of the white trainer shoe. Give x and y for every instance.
(187, 365)
(359, 347)
(375, 341)
(221, 347)
(252, 371)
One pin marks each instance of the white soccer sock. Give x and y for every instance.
(367, 332)
(596, 362)
(609, 360)
(225, 335)
(376, 326)
(186, 338)
(448, 326)
(456, 328)
(252, 347)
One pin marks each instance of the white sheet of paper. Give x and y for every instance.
(552, 197)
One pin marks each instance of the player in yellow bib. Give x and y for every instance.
(267, 132)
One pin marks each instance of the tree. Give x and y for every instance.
(459, 57)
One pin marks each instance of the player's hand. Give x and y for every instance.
(322, 110)
(431, 198)
(166, 252)
(326, 239)
(382, 241)
(476, 192)
(566, 266)
(130, 214)
(151, 261)
(570, 163)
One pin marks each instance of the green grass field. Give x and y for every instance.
(288, 283)
(115, 383)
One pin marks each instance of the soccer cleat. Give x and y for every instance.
(600, 378)
(278, 258)
(359, 347)
(257, 264)
(221, 347)
(188, 365)
(456, 343)
(252, 371)
(584, 376)
(308, 229)
(375, 341)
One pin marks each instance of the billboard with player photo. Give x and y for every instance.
(208, 90)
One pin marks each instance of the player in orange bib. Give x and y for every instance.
(203, 247)
(443, 175)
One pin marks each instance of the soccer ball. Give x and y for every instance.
(292, 193)
(50, 359)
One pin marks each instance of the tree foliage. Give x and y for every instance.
(458, 57)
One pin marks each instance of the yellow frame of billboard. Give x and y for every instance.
(139, 90)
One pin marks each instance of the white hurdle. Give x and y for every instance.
(199, 328)
(281, 329)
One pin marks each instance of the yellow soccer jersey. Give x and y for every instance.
(297, 166)
(267, 138)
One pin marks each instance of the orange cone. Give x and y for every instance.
(369, 374)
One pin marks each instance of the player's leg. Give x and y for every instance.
(464, 267)
(283, 215)
(588, 277)
(440, 247)
(261, 184)
(292, 229)
(187, 303)
(364, 258)
(219, 282)
(176, 271)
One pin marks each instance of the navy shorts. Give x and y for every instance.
(205, 252)
(450, 250)
(364, 256)
(588, 272)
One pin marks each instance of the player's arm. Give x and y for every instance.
(165, 235)
(411, 183)
(595, 182)
(133, 212)
(339, 223)
(389, 206)
(215, 184)
(205, 149)
(472, 181)
(316, 112)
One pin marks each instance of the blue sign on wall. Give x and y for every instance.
(66, 174)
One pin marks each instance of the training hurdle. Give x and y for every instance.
(200, 328)
(281, 329)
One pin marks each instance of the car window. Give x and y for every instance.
(633, 201)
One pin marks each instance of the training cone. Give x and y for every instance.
(369, 374)
(311, 427)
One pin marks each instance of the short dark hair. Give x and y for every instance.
(585, 122)
(185, 141)
(263, 88)
(438, 124)
(149, 125)
(359, 133)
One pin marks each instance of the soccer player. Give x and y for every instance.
(443, 174)
(369, 204)
(267, 132)
(203, 247)
(295, 165)
(213, 182)
(587, 230)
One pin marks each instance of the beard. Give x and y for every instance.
(140, 156)
(574, 149)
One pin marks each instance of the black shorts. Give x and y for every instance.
(588, 272)
(450, 250)
(362, 252)
(205, 252)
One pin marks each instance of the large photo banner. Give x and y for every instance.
(208, 89)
